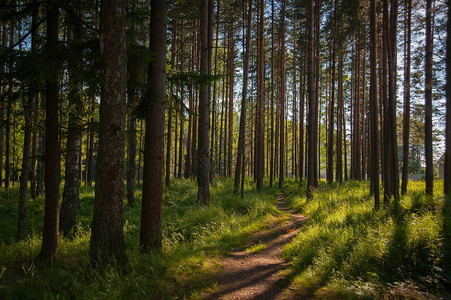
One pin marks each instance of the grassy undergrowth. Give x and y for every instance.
(348, 250)
(194, 238)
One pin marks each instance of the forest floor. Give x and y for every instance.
(259, 271)
(272, 244)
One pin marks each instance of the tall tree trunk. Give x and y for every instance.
(4, 43)
(214, 135)
(374, 124)
(428, 102)
(90, 154)
(357, 138)
(316, 128)
(34, 145)
(170, 108)
(406, 115)
(28, 103)
(260, 110)
(231, 89)
(311, 103)
(152, 197)
(8, 116)
(107, 237)
(242, 133)
(339, 150)
(52, 152)
(210, 30)
(271, 162)
(447, 179)
(71, 199)
(282, 96)
(301, 120)
(394, 166)
(203, 166)
(294, 124)
(181, 111)
(330, 145)
(40, 169)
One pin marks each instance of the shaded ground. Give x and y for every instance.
(257, 272)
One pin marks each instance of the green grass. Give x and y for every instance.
(348, 250)
(258, 248)
(194, 237)
(345, 250)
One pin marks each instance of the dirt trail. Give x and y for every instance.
(258, 275)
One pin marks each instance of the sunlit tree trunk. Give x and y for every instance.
(242, 133)
(203, 166)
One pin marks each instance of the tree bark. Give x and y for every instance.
(203, 165)
(271, 162)
(447, 179)
(107, 237)
(428, 102)
(330, 145)
(242, 133)
(152, 198)
(311, 104)
(339, 150)
(90, 154)
(28, 103)
(406, 115)
(71, 199)
(282, 96)
(374, 124)
(52, 152)
(231, 89)
(260, 110)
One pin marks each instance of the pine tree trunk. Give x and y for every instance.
(28, 103)
(152, 198)
(131, 158)
(447, 179)
(2, 104)
(301, 120)
(316, 128)
(330, 145)
(282, 96)
(374, 124)
(8, 117)
(52, 152)
(203, 166)
(271, 162)
(242, 134)
(214, 134)
(71, 199)
(339, 150)
(231, 89)
(428, 102)
(406, 115)
(26, 167)
(311, 103)
(107, 237)
(260, 110)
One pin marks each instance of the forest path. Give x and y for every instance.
(259, 274)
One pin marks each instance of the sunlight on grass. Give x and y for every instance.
(258, 248)
(193, 237)
(348, 246)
